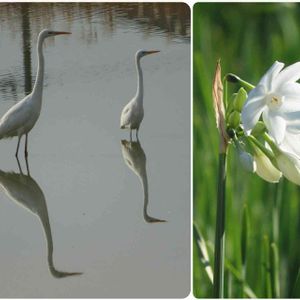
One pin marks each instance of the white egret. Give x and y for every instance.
(133, 113)
(21, 117)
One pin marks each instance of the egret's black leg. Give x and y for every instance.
(19, 139)
(26, 145)
(27, 166)
(19, 165)
(130, 134)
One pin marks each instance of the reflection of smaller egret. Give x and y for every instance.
(133, 112)
(135, 158)
(21, 117)
(24, 190)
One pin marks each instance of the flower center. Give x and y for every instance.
(274, 101)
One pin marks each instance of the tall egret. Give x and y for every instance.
(25, 191)
(135, 158)
(133, 112)
(21, 117)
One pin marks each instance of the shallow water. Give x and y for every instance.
(88, 205)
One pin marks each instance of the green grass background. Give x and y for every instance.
(248, 38)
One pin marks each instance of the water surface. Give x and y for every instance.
(88, 221)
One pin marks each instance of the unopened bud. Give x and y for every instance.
(264, 167)
(259, 129)
(234, 119)
(240, 99)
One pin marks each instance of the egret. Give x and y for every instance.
(21, 117)
(133, 112)
(135, 158)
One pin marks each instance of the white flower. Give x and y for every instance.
(287, 156)
(291, 143)
(277, 98)
(264, 167)
(289, 164)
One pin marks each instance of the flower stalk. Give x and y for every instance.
(218, 289)
(218, 100)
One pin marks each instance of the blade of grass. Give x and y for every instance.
(244, 237)
(236, 274)
(266, 268)
(274, 264)
(296, 288)
(204, 258)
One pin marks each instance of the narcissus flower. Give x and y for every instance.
(264, 167)
(289, 164)
(277, 99)
(287, 160)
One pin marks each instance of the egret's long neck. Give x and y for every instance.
(140, 87)
(38, 85)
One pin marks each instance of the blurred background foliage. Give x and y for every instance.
(248, 38)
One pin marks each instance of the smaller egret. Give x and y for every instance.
(133, 113)
(21, 117)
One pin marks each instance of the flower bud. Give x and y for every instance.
(234, 119)
(258, 129)
(264, 168)
(240, 99)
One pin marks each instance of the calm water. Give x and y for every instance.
(85, 223)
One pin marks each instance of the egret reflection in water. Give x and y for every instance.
(135, 158)
(24, 190)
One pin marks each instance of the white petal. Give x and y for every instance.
(289, 90)
(269, 76)
(275, 124)
(265, 169)
(291, 143)
(253, 107)
(289, 74)
(293, 122)
(289, 164)
(290, 107)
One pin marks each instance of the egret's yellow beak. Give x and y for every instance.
(152, 51)
(61, 32)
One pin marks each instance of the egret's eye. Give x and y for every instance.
(50, 32)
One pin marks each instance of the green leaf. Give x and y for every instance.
(274, 265)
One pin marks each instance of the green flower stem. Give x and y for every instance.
(218, 288)
(235, 79)
(261, 147)
(272, 144)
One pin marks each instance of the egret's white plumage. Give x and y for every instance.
(20, 118)
(133, 112)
